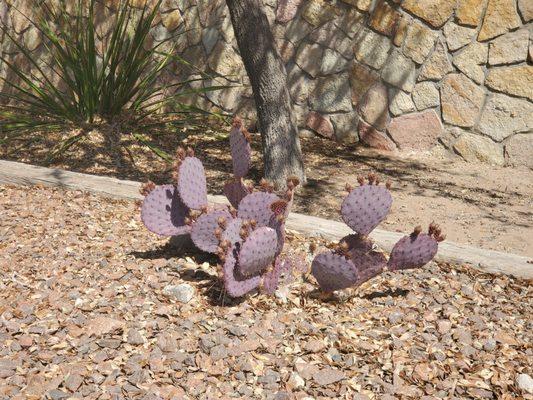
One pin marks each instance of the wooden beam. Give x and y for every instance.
(486, 260)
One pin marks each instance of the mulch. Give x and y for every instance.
(85, 312)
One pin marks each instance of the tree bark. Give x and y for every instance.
(282, 154)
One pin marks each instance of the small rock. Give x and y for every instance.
(56, 394)
(314, 346)
(500, 17)
(182, 292)
(25, 341)
(525, 382)
(457, 36)
(135, 337)
(295, 381)
(444, 326)
(320, 124)
(509, 48)
(489, 345)
(73, 382)
(327, 376)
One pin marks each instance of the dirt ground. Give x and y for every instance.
(477, 204)
(87, 310)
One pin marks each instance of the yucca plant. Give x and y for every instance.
(87, 82)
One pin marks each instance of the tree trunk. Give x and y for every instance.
(282, 155)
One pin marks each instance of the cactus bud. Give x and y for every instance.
(218, 234)
(222, 222)
(377, 180)
(417, 230)
(348, 187)
(203, 209)
(233, 212)
(190, 152)
(146, 188)
(180, 153)
(293, 180)
(279, 207)
(388, 185)
(440, 238)
(361, 180)
(237, 122)
(243, 233)
(253, 223)
(371, 178)
(312, 247)
(187, 221)
(247, 135)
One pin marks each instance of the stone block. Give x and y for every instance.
(516, 81)
(500, 17)
(399, 71)
(504, 115)
(476, 148)
(417, 131)
(461, 100)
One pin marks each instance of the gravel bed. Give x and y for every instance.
(93, 306)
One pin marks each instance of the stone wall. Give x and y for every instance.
(398, 75)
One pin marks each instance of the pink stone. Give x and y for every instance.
(287, 10)
(417, 131)
(374, 138)
(320, 124)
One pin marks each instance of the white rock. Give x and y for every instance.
(525, 382)
(182, 292)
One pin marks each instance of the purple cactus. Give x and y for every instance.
(356, 258)
(241, 152)
(163, 212)
(235, 190)
(256, 206)
(258, 251)
(334, 271)
(192, 185)
(235, 284)
(203, 231)
(415, 250)
(366, 257)
(365, 207)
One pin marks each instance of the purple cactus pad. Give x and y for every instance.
(365, 207)
(271, 278)
(258, 251)
(241, 152)
(413, 251)
(257, 206)
(203, 230)
(235, 191)
(232, 231)
(164, 213)
(366, 257)
(236, 285)
(279, 227)
(192, 183)
(333, 271)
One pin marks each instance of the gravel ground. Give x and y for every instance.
(93, 306)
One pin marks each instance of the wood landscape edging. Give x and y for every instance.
(485, 260)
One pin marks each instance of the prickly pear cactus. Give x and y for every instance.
(248, 238)
(356, 258)
(241, 152)
(163, 212)
(415, 250)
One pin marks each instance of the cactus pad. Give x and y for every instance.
(413, 251)
(234, 283)
(232, 231)
(333, 271)
(258, 251)
(365, 207)
(240, 151)
(192, 183)
(256, 206)
(164, 213)
(203, 230)
(271, 278)
(235, 191)
(279, 226)
(368, 260)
